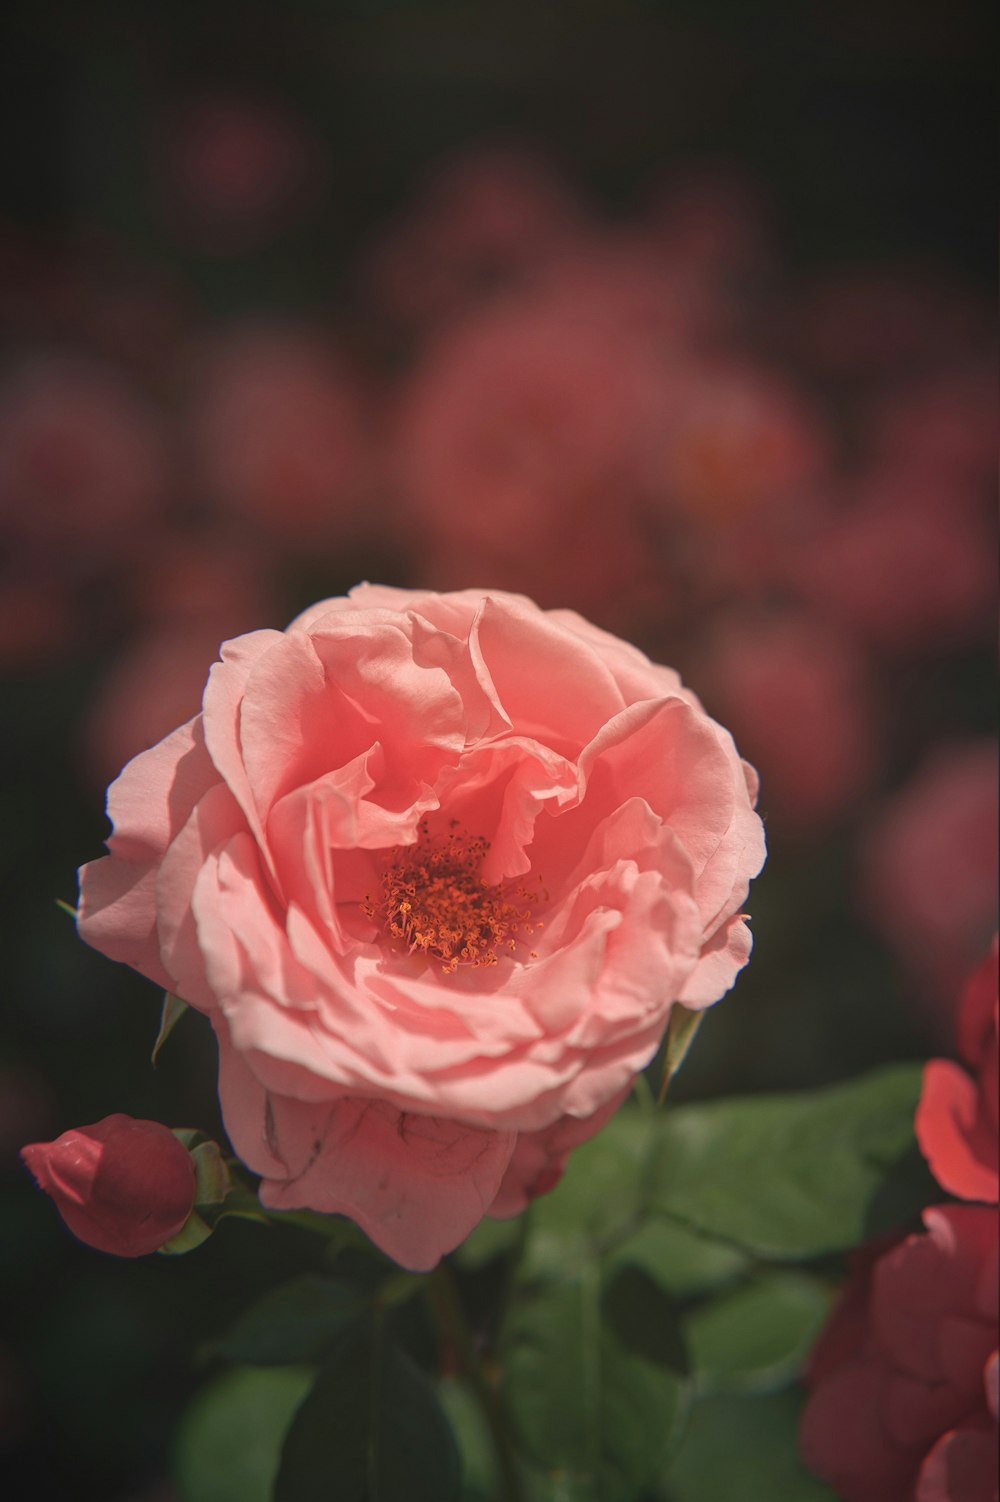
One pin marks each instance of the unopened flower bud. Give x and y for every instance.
(121, 1185)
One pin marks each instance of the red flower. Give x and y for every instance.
(121, 1185)
(902, 1404)
(957, 1116)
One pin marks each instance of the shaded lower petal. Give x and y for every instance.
(417, 1185)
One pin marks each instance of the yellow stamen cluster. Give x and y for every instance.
(435, 902)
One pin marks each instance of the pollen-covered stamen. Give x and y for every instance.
(434, 901)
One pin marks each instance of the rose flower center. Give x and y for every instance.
(434, 901)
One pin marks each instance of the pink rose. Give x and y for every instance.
(902, 1381)
(436, 867)
(956, 1119)
(121, 1185)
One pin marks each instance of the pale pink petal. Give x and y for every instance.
(221, 712)
(417, 1185)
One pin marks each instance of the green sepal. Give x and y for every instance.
(681, 1028)
(172, 1011)
(192, 1233)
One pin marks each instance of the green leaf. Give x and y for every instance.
(680, 1261)
(742, 1448)
(755, 1337)
(598, 1200)
(172, 1012)
(298, 1322)
(785, 1176)
(480, 1479)
(490, 1239)
(229, 1441)
(592, 1403)
(371, 1430)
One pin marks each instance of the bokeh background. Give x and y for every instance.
(672, 313)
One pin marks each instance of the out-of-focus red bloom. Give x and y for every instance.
(713, 227)
(861, 322)
(82, 459)
(929, 869)
(796, 695)
(957, 1117)
(38, 619)
(121, 1185)
(477, 225)
(622, 278)
(154, 685)
(908, 562)
(279, 434)
(737, 439)
(902, 1403)
(194, 593)
(522, 449)
(235, 170)
(943, 426)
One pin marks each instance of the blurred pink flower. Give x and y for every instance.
(155, 684)
(279, 434)
(712, 225)
(797, 696)
(82, 459)
(522, 450)
(738, 439)
(943, 425)
(864, 322)
(476, 224)
(908, 563)
(232, 171)
(929, 868)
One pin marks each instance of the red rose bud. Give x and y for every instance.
(121, 1185)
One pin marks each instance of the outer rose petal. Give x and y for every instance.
(956, 1138)
(417, 1185)
(151, 799)
(962, 1467)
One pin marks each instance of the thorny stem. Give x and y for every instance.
(454, 1327)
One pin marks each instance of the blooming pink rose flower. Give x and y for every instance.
(234, 171)
(902, 1381)
(436, 867)
(956, 1119)
(121, 1185)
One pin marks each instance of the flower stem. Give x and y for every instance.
(453, 1327)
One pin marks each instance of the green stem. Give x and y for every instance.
(454, 1327)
